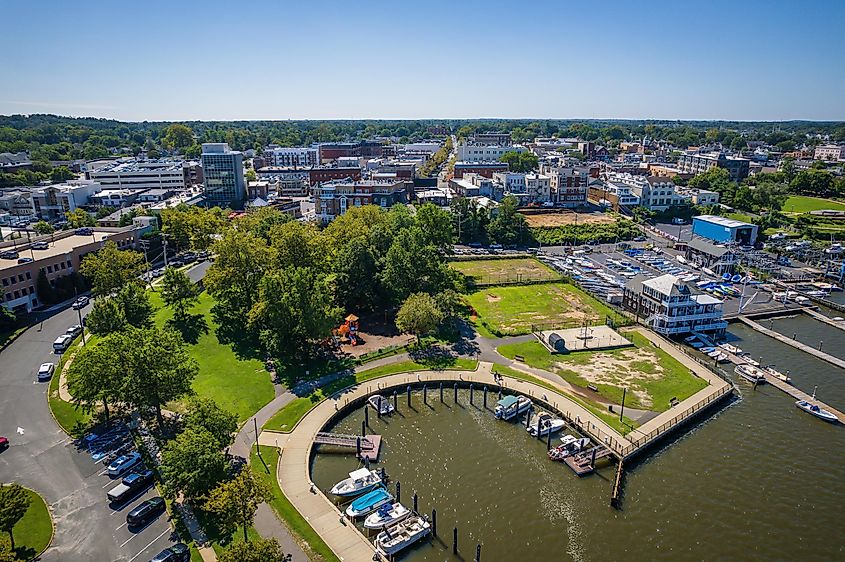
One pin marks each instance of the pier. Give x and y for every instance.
(822, 318)
(801, 395)
(367, 447)
(796, 344)
(585, 462)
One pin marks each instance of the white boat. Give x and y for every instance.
(380, 404)
(731, 348)
(397, 537)
(816, 410)
(387, 515)
(510, 407)
(750, 373)
(359, 481)
(570, 445)
(776, 374)
(708, 271)
(547, 424)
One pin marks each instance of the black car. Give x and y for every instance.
(179, 552)
(9, 255)
(145, 512)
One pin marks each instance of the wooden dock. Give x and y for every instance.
(822, 318)
(796, 344)
(367, 447)
(585, 462)
(801, 395)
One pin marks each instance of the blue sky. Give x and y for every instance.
(182, 60)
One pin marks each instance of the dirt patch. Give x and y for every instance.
(493, 298)
(564, 218)
(373, 342)
(625, 368)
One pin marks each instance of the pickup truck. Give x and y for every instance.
(131, 484)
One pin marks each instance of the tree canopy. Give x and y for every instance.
(235, 501)
(14, 503)
(419, 315)
(111, 268)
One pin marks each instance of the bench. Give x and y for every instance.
(519, 358)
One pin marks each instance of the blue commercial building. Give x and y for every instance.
(724, 230)
(223, 176)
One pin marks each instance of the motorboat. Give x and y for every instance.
(707, 349)
(777, 374)
(510, 407)
(569, 446)
(380, 404)
(369, 502)
(697, 344)
(731, 348)
(736, 278)
(359, 481)
(750, 373)
(397, 537)
(545, 424)
(386, 515)
(815, 410)
(690, 339)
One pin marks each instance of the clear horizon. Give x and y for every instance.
(209, 61)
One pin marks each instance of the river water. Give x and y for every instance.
(759, 480)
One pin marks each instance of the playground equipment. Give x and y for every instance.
(349, 330)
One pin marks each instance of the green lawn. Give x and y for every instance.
(651, 375)
(804, 204)
(69, 416)
(513, 310)
(315, 548)
(623, 426)
(504, 270)
(740, 217)
(34, 531)
(239, 385)
(285, 419)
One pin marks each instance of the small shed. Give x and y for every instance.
(557, 343)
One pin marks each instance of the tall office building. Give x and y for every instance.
(223, 172)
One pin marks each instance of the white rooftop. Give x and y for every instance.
(723, 221)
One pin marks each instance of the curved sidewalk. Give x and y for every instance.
(294, 466)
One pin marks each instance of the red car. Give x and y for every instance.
(3, 443)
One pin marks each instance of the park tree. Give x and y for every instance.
(191, 226)
(204, 413)
(192, 464)
(42, 228)
(297, 244)
(79, 218)
(95, 376)
(14, 503)
(356, 285)
(6, 552)
(436, 225)
(818, 183)
(260, 550)
(235, 501)
(178, 136)
(412, 266)
(419, 315)
(508, 226)
(106, 317)
(111, 268)
(178, 292)
(129, 306)
(294, 308)
(157, 367)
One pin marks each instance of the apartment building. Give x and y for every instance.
(298, 157)
(538, 188)
(830, 153)
(510, 182)
(141, 174)
(700, 162)
(223, 173)
(672, 307)
(486, 169)
(330, 151)
(614, 194)
(62, 257)
(568, 185)
(334, 198)
(655, 193)
(479, 152)
(475, 185)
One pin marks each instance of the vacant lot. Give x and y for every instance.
(652, 376)
(803, 204)
(514, 310)
(504, 270)
(563, 218)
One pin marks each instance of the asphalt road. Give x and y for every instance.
(44, 458)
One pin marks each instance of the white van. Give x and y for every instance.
(62, 342)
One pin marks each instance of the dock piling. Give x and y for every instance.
(549, 440)
(363, 428)
(434, 522)
(395, 405)
(485, 397)
(441, 392)
(470, 394)
(409, 395)
(455, 540)
(398, 491)
(366, 416)
(528, 417)
(415, 502)
(425, 394)
(478, 552)
(358, 447)
(456, 393)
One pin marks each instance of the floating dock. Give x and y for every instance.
(585, 462)
(367, 447)
(796, 344)
(801, 395)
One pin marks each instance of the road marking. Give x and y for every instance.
(107, 485)
(146, 547)
(119, 528)
(20, 431)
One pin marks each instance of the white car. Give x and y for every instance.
(74, 331)
(124, 463)
(45, 371)
(61, 343)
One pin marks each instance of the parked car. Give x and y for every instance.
(85, 231)
(9, 255)
(474, 244)
(123, 463)
(61, 343)
(40, 246)
(4, 443)
(130, 485)
(74, 330)
(179, 552)
(81, 302)
(495, 246)
(640, 239)
(145, 512)
(25, 260)
(45, 371)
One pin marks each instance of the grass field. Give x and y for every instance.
(69, 416)
(314, 546)
(623, 426)
(35, 530)
(803, 204)
(504, 270)
(514, 309)
(651, 375)
(285, 419)
(740, 217)
(241, 386)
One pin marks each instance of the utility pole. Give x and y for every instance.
(79, 314)
(164, 245)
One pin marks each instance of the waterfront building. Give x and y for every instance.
(672, 307)
(716, 257)
(724, 230)
(223, 173)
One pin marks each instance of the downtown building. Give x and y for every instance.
(672, 307)
(223, 173)
(334, 198)
(699, 162)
